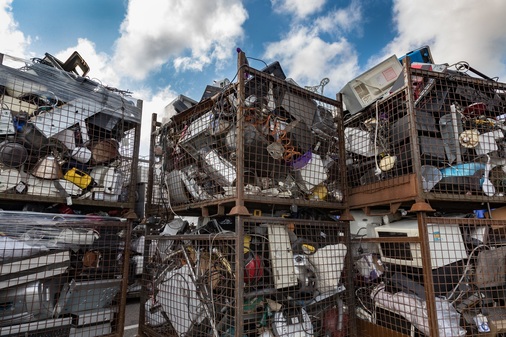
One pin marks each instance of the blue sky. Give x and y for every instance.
(161, 48)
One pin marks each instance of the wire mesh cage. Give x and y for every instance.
(248, 277)
(431, 276)
(189, 281)
(62, 275)
(438, 135)
(64, 137)
(262, 139)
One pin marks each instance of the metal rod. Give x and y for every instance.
(239, 279)
(239, 208)
(125, 273)
(151, 170)
(427, 275)
(199, 293)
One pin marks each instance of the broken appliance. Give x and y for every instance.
(81, 296)
(445, 241)
(373, 84)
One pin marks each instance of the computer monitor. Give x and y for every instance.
(445, 243)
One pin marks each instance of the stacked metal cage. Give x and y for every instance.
(438, 138)
(62, 275)
(64, 138)
(425, 174)
(257, 166)
(255, 276)
(68, 147)
(432, 276)
(262, 140)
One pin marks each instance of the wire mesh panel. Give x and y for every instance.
(440, 137)
(295, 278)
(61, 275)
(430, 276)
(480, 294)
(63, 137)
(275, 140)
(248, 277)
(189, 281)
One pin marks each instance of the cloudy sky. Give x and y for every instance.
(158, 49)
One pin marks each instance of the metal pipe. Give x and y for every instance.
(151, 170)
(427, 275)
(239, 272)
(239, 208)
(125, 273)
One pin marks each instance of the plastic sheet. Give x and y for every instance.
(55, 123)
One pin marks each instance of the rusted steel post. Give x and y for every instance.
(130, 216)
(427, 275)
(239, 208)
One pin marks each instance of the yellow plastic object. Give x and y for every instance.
(308, 249)
(247, 242)
(320, 192)
(78, 177)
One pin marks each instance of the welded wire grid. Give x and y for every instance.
(455, 288)
(273, 277)
(295, 278)
(446, 130)
(64, 137)
(190, 281)
(289, 151)
(60, 275)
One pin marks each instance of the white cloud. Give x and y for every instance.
(455, 30)
(298, 8)
(193, 33)
(153, 102)
(99, 63)
(12, 40)
(342, 20)
(307, 57)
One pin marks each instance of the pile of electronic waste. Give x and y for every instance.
(434, 136)
(291, 283)
(63, 135)
(449, 132)
(463, 268)
(59, 275)
(290, 149)
(67, 146)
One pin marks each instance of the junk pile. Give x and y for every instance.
(67, 147)
(427, 138)
(450, 134)
(60, 275)
(290, 148)
(289, 283)
(63, 136)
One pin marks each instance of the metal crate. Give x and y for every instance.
(437, 137)
(62, 275)
(263, 140)
(64, 138)
(431, 276)
(235, 276)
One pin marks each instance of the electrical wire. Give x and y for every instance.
(358, 297)
(377, 172)
(252, 58)
(464, 273)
